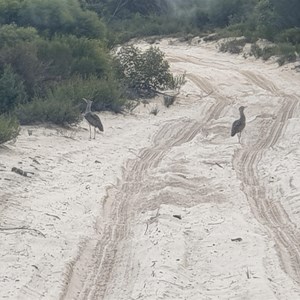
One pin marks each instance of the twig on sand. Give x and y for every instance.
(23, 228)
(54, 216)
(151, 220)
(248, 273)
(216, 223)
(219, 165)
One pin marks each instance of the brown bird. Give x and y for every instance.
(239, 125)
(92, 118)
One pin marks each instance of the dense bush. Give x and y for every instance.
(9, 128)
(11, 34)
(12, 90)
(48, 110)
(234, 46)
(66, 56)
(63, 103)
(143, 73)
(51, 17)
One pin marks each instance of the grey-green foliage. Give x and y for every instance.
(9, 128)
(144, 72)
(48, 110)
(12, 90)
(65, 56)
(63, 103)
(11, 34)
(65, 16)
(50, 17)
(9, 11)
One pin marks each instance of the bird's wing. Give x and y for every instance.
(235, 127)
(94, 120)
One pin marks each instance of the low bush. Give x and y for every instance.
(143, 73)
(9, 128)
(12, 90)
(63, 103)
(48, 111)
(234, 46)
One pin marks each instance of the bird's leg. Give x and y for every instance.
(94, 132)
(90, 132)
(239, 136)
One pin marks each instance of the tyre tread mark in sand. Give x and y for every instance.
(120, 207)
(268, 212)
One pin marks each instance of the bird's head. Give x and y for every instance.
(242, 108)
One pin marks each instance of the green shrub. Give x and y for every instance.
(144, 72)
(66, 56)
(11, 34)
(105, 93)
(12, 90)
(50, 110)
(9, 128)
(24, 61)
(234, 46)
(63, 103)
(286, 52)
(60, 16)
(169, 100)
(291, 35)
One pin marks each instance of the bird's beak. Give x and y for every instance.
(84, 100)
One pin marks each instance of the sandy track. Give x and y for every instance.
(126, 201)
(171, 207)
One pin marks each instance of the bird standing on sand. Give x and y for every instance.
(92, 118)
(239, 125)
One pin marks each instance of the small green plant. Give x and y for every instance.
(54, 111)
(154, 110)
(235, 46)
(12, 90)
(287, 53)
(9, 128)
(169, 100)
(144, 73)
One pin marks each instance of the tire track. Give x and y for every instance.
(267, 211)
(203, 84)
(120, 207)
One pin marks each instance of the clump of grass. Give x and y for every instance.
(234, 46)
(9, 128)
(169, 100)
(154, 110)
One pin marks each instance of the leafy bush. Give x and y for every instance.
(169, 100)
(63, 103)
(11, 34)
(287, 53)
(105, 93)
(60, 16)
(12, 90)
(144, 72)
(65, 56)
(50, 110)
(291, 35)
(9, 128)
(9, 11)
(24, 61)
(235, 46)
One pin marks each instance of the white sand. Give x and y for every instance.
(96, 219)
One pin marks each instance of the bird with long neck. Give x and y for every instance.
(92, 118)
(239, 125)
